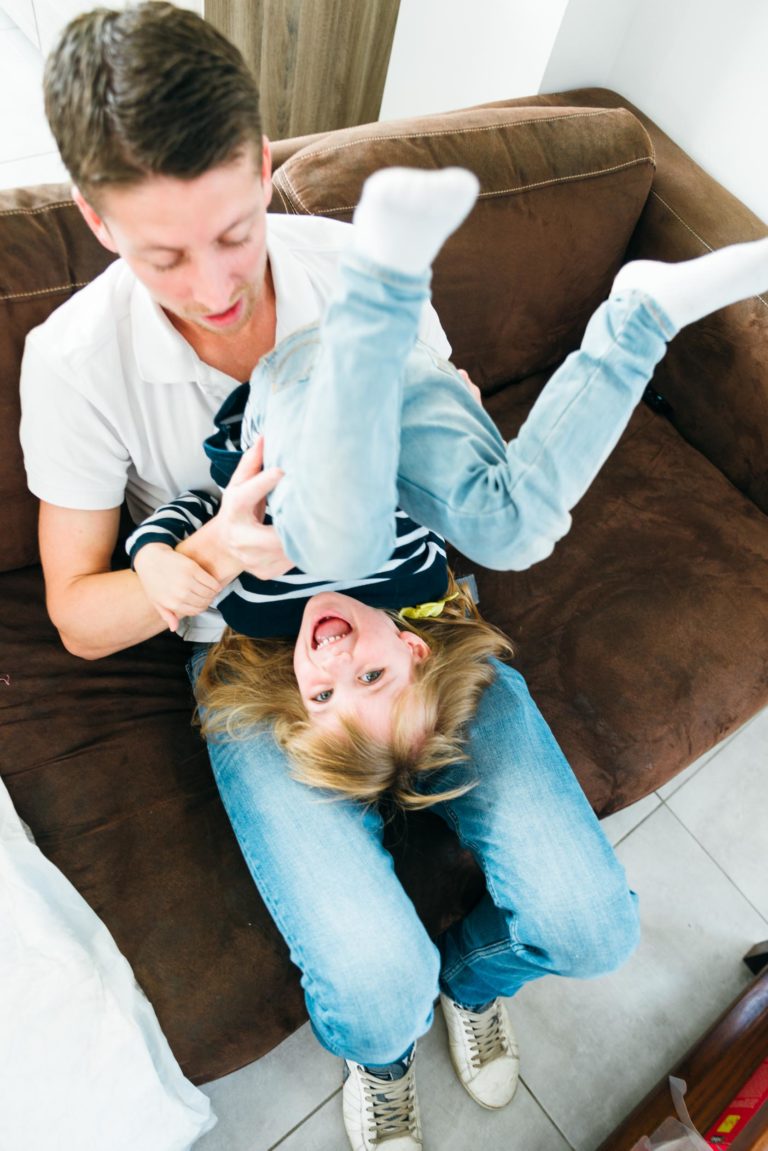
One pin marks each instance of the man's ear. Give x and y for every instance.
(266, 170)
(93, 220)
(420, 649)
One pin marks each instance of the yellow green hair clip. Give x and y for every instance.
(426, 610)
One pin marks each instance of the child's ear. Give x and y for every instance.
(419, 647)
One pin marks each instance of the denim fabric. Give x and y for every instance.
(362, 418)
(557, 900)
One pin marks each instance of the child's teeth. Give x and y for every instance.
(329, 639)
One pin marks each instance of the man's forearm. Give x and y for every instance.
(103, 613)
(206, 548)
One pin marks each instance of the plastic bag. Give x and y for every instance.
(674, 1134)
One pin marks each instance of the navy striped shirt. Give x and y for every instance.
(416, 571)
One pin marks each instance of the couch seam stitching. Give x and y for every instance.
(696, 235)
(325, 211)
(45, 291)
(37, 211)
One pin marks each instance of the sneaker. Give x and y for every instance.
(381, 1113)
(483, 1051)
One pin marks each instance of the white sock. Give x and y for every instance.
(405, 215)
(692, 289)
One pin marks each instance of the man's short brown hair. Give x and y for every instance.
(151, 90)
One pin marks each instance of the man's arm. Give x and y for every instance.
(96, 611)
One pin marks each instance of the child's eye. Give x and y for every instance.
(322, 696)
(372, 676)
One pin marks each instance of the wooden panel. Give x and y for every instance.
(714, 1070)
(321, 64)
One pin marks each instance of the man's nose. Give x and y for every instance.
(212, 285)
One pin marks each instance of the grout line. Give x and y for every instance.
(640, 822)
(718, 865)
(309, 1115)
(544, 1112)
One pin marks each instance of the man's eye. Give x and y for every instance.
(322, 696)
(226, 243)
(372, 676)
(166, 267)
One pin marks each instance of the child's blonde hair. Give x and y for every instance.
(247, 681)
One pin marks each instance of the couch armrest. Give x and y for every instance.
(714, 378)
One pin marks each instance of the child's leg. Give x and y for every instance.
(690, 290)
(339, 441)
(507, 506)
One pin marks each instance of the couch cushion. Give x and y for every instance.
(46, 254)
(643, 637)
(561, 191)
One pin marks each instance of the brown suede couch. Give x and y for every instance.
(644, 638)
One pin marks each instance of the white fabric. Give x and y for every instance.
(116, 403)
(84, 1065)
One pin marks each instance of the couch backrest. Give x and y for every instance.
(561, 192)
(46, 254)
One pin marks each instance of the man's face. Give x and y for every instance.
(197, 245)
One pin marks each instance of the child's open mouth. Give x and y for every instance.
(330, 629)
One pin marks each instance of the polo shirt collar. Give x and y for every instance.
(296, 300)
(163, 355)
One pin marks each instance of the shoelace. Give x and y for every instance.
(485, 1033)
(391, 1105)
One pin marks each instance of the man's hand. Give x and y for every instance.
(255, 546)
(175, 585)
(236, 539)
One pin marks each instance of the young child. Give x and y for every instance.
(380, 445)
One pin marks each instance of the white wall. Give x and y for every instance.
(453, 53)
(699, 68)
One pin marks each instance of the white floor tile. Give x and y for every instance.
(591, 1050)
(450, 1119)
(726, 808)
(258, 1105)
(23, 132)
(619, 825)
(32, 170)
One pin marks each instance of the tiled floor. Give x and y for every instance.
(697, 853)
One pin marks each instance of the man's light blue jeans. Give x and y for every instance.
(557, 899)
(362, 418)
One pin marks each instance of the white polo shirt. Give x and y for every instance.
(115, 402)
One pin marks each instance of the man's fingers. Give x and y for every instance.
(255, 489)
(251, 462)
(168, 618)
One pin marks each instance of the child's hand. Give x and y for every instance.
(174, 584)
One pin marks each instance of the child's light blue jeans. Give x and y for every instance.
(363, 419)
(557, 898)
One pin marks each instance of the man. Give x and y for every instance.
(156, 118)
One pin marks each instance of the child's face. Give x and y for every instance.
(352, 661)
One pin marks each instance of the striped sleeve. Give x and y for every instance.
(173, 522)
